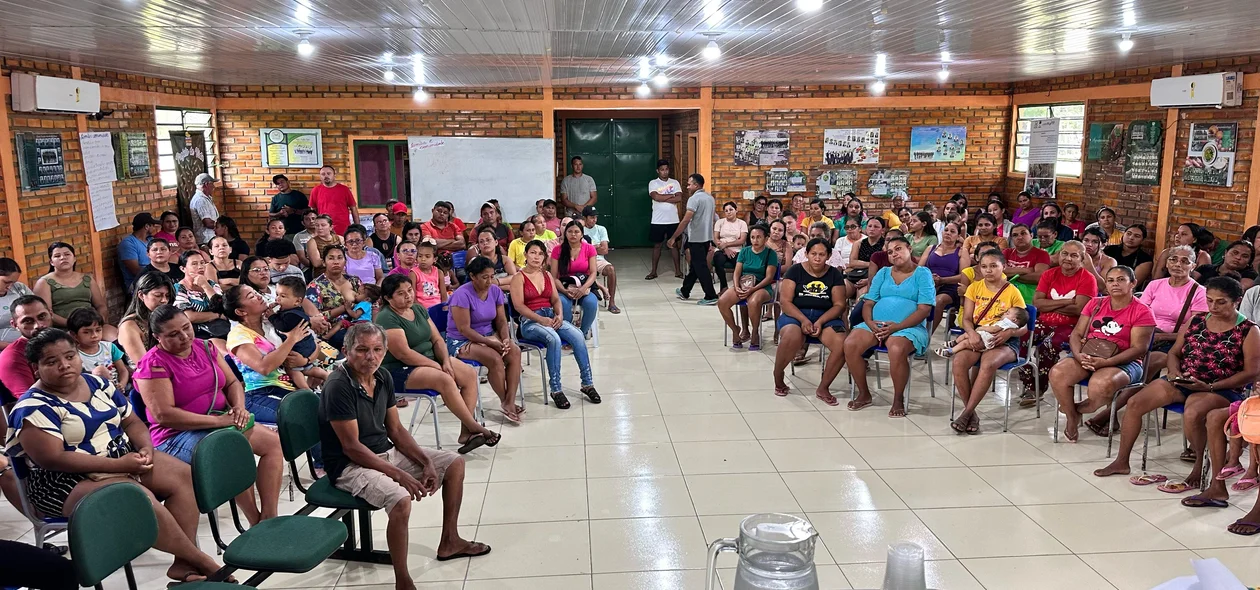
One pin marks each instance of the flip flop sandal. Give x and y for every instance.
(493, 439)
(944, 352)
(651, 276)
(754, 347)
(855, 405)
(678, 275)
(513, 418)
(1245, 484)
(894, 414)
(186, 580)
(402, 402)
(1176, 487)
(614, 309)
(974, 427)
(782, 391)
(561, 400)
(1096, 428)
(828, 399)
(1255, 527)
(1229, 472)
(463, 554)
(1197, 501)
(473, 442)
(1147, 479)
(959, 426)
(1187, 456)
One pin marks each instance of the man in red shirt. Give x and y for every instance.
(335, 200)
(29, 315)
(445, 230)
(1024, 263)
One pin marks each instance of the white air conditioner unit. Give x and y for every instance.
(1222, 89)
(63, 95)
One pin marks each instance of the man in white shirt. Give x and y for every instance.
(204, 213)
(577, 190)
(597, 235)
(666, 193)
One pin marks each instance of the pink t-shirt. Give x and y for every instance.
(1166, 302)
(428, 286)
(192, 382)
(581, 264)
(724, 231)
(1116, 325)
(15, 372)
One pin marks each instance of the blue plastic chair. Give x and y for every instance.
(1029, 359)
(437, 313)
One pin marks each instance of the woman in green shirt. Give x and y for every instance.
(416, 357)
(920, 233)
(755, 267)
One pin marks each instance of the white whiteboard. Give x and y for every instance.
(468, 171)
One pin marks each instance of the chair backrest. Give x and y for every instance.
(459, 258)
(110, 527)
(440, 314)
(1032, 322)
(297, 423)
(137, 404)
(222, 467)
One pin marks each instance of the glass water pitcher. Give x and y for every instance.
(776, 552)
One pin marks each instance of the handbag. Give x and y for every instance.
(217, 328)
(1099, 347)
(857, 274)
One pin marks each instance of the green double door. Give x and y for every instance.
(621, 155)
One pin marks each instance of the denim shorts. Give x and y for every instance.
(400, 375)
(181, 445)
(836, 324)
(454, 344)
(1133, 369)
(1233, 395)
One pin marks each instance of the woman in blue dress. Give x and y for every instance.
(895, 314)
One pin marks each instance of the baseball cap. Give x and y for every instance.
(398, 208)
(589, 211)
(204, 178)
(142, 220)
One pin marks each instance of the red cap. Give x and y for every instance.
(398, 208)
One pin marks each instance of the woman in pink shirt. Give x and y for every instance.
(572, 263)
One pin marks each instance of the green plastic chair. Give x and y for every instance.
(223, 467)
(298, 424)
(110, 527)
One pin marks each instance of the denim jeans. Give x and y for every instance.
(264, 402)
(554, 339)
(590, 307)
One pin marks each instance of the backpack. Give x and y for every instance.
(1248, 420)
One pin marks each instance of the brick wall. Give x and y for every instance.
(983, 169)
(247, 185)
(373, 91)
(858, 90)
(619, 93)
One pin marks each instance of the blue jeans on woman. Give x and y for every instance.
(589, 305)
(264, 403)
(554, 339)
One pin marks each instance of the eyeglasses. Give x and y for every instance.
(354, 242)
(258, 270)
(850, 227)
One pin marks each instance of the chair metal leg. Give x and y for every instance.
(1055, 416)
(927, 358)
(1006, 418)
(874, 363)
(1146, 437)
(1111, 421)
(415, 413)
(437, 435)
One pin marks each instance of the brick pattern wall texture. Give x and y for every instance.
(373, 91)
(246, 183)
(858, 90)
(983, 169)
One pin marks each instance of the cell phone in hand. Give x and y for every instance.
(1182, 380)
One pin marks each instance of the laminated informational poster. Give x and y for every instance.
(777, 181)
(886, 182)
(292, 148)
(1210, 159)
(833, 183)
(1043, 153)
(1106, 142)
(938, 144)
(1143, 151)
(796, 181)
(40, 161)
(131, 154)
(851, 146)
(762, 148)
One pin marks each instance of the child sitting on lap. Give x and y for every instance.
(1014, 319)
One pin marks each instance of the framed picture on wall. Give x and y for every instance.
(292, 148)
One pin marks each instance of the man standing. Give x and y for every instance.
(666, 193)
(289, 203)
(448, 233)
(369, 453)
(204, 213)
(577, 190)
(335, 200)
(133, 250)
(598, 236)
(29, 315)
(698, 223)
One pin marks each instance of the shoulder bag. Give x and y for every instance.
(986, 309)
(1098, 347)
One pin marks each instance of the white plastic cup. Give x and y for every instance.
(904, 569)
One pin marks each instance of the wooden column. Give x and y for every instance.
(704, 159)
(8, 169)
(1166, 173)
(1253, 187)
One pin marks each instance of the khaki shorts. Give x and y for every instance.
(379, 489)
(600, 265)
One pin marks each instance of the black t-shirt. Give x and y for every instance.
(297, 201)
(386, 246)
(1210, 271)
(174, 273)
(239, 248)
(813, 292)
(344, 399)
(1133, 260)
(284, 321)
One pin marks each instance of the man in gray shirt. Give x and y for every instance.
(577, 190)
(698, 223)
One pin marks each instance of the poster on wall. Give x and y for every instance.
(292, 148)
(1043, 154)
(1106, 142)
(777, 181)
(40, 161)
(189, 151)
(833, 183)
(762, 148)
(131, 154)
(97, 150)
(1143, 151)
(886, 182)
(851, 146)
(1210, 159)
(797, 180)
(938, 144)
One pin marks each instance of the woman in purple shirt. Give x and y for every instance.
(478, 331)
(1027, 214)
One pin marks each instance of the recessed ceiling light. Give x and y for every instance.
(389, 74)
(643, 90)
(809, 5)
(662, 60)
(1126, 43)
(304, 48)
(878, 87)
(712, 51)
(420, 94)
(943, 74)
(661, 81)
(946, 57)
(881, 64)
(387, 57)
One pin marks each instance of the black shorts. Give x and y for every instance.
(661, 232)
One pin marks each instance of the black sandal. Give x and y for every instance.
(493, 439)
(562, 402)
(591, 394)
(475, 441)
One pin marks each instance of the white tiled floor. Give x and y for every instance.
(690, 438)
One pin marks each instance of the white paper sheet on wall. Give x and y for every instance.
(103, 213)
(98, 157)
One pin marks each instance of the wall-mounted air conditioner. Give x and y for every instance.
(1222, 89)
(45, 93)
